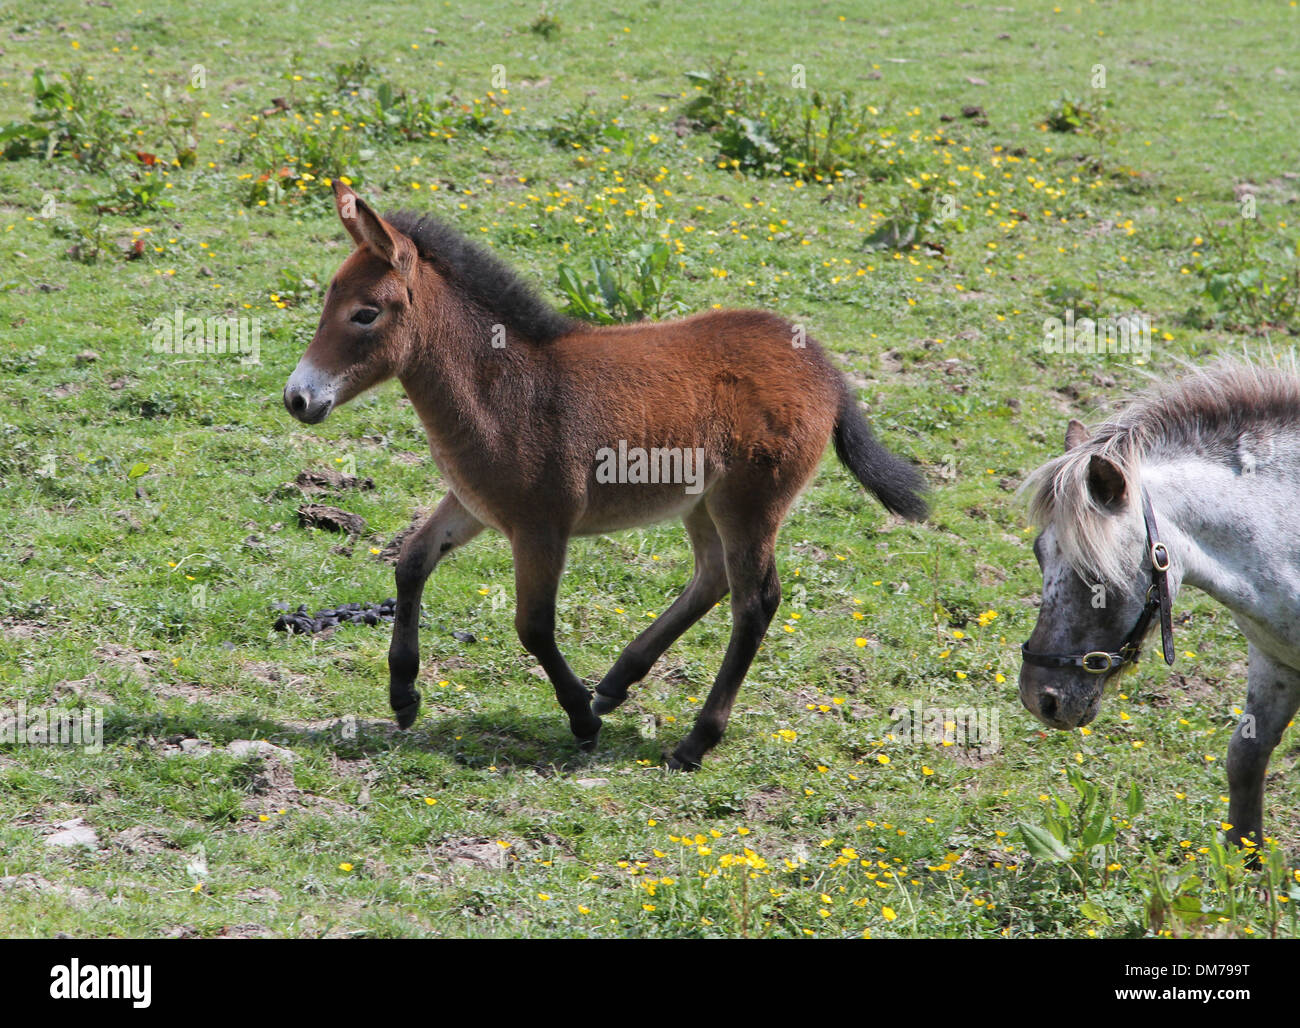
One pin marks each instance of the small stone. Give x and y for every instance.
(259, 748)
(74, 833)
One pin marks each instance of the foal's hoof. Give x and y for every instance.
(587, 743)
(405, 716)
(602, 704)
(678, 763)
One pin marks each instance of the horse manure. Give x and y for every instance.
(316, 515)
(299, 622)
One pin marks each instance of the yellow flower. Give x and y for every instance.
(345, 867)
(888, 913)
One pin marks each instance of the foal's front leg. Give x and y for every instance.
(448, 526)
(539, 563)
(1272, 696)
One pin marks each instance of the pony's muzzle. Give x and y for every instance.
(305, 407)
(307, 396)
(1058, 705)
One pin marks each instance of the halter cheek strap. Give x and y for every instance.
(1101, 662)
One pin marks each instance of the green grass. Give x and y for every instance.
(149, 530)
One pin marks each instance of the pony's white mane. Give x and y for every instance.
(1206, 411)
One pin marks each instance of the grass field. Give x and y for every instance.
(923, 185)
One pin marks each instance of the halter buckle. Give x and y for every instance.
(1160, 556)
(1096, 663)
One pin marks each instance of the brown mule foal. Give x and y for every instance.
(524, 411)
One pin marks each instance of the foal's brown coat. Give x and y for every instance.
(516, 401)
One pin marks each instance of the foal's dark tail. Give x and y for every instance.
(896, 483)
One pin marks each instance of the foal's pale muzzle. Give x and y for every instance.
(309, 395)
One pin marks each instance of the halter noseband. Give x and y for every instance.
(1101, 662)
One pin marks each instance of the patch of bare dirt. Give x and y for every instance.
(271, 674)
(137, 662)
(270, 784)
(465, 854)
(246, 931)
(759, 806)
(973, 756)
(1177, 689)
(34, 884)
(18, 628)
(813, 553)
(191, 692)
(83, 690)
(141, 840)
(260, 895)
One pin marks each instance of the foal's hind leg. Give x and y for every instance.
(1272, 697)
(749, 546)
(448, 526)
(539, 563)
(706, 588)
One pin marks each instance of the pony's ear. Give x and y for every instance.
(1075, 433)
(368, 229)
(1106, 482)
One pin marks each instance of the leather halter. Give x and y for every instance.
(1101, 662)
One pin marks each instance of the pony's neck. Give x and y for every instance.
(1231, 531)
(465, 389)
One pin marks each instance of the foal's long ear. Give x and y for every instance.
(368, 229)
(1075, 433)
(1106, 482)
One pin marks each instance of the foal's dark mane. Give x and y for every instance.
(482, 278)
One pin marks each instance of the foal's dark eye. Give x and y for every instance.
(365, 316)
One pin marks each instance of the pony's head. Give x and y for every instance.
(1091, 549)
(366, 328)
